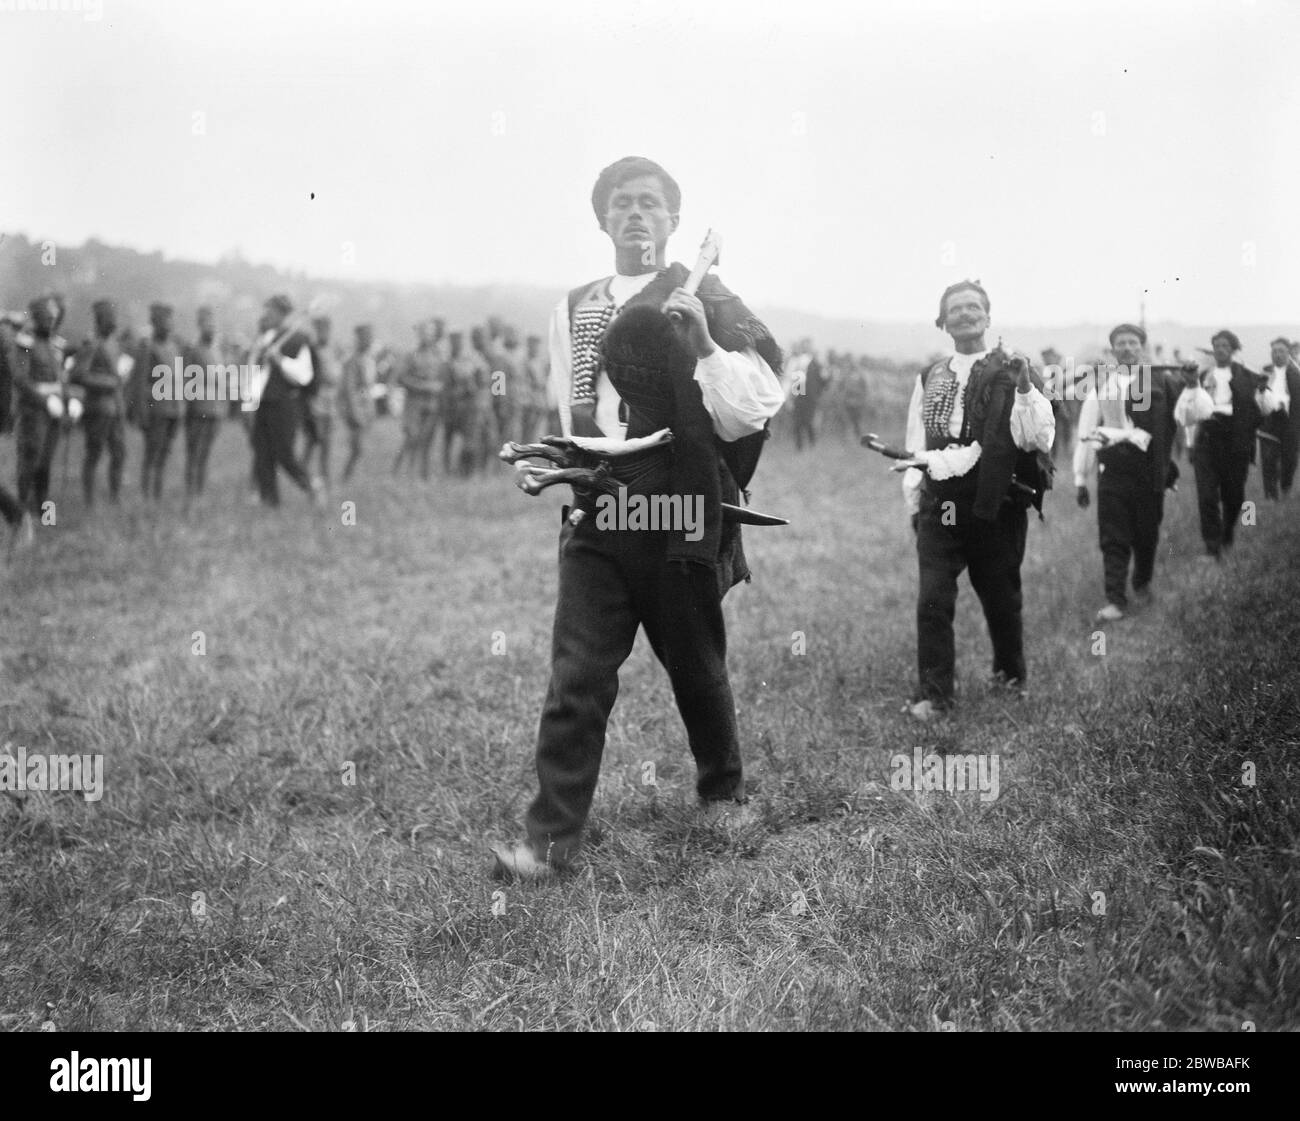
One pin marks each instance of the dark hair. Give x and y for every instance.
(1126, 328)
(630, 167)
(960, 286)
(1233, 341)
(1283, 340)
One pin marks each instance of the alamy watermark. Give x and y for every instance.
(215, 382)
(652, 512)
(950, 773)
(34, 770)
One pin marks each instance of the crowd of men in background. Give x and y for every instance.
(305, 402)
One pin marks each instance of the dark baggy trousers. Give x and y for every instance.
(1220, 484)
(37, 440)
(992, 551)
(200, 434)
(611, 583)
(1277, 457)
(1129, 513)
(159, 433)
(103, 431)
(275, 424)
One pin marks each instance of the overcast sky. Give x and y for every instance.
(856, 156)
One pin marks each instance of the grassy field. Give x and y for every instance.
(231, 878)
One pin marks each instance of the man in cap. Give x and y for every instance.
(283, 351)
(159, 407)
(613, 580)
(98, 371)
(1279, 434)
(986, 431)
(204, 412)
(1226, 404)
(1126, 430)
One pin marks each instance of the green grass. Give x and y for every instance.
(329, 904)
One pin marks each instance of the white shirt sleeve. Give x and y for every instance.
(1084, 453)
(1033, 425)
(297, 370)
(915, 443)
(560, 377)
(740, 391)
(1193, 406)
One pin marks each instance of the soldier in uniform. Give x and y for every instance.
(535, 400)
(98, 371)
(356, 402)
(478, 426)
(322, 400)
(203, 415)
(158, 407)
(38, 359)
(421, 380)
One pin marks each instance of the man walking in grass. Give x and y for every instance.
(614, 581)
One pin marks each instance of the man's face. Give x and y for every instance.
(161, 319)
(964, 316)
(1127, 348)
(637, 213)
(1281, 355)
(272, 317)
(105, 321)
(1222, 350)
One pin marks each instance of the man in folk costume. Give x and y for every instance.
(159, 408)
(987, 431)
(203, 413)
(722, 391)
(1226, 404)
(1126, 430)
(98, 371)
(284, 353)
(1279, 434)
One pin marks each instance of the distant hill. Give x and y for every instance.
(237, 288)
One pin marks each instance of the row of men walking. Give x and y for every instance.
(292, 382)
(472, 394)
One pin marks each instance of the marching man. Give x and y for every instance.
(1126, 430)
(1226, 404)
(1279, 435)
(986, 430)
(614, 581)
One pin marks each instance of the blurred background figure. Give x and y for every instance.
(203, 415)
(98, 372)
(356, 395)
